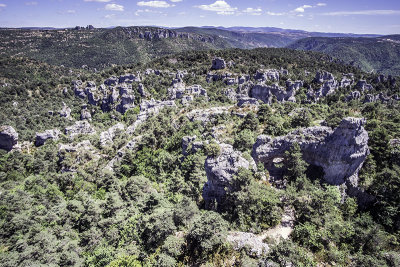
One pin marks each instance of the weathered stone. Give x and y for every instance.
(247, 101)
(240, 240)
(354, 96)
(323, 76)
(267, 75)
(266, 93)
(220, 171)
(80, 127)
(218, 64)
(369, 98)
(127, 99)
(85, 114)
(111, 81)
(204, 115)
(142, 91)
(65, 112)
(8, 137)
(81, 154)
(107, 137)
(364, 86)
(340, 152)
(41, 138)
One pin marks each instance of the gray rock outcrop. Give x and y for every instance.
(323, 76)
(65, 112)
(340, 152)
(8, 138)
(266, 93)
(247, 101)
(107, 137)
(267, 75)
(255, 243)
(364, 86)
(220, 171)
(218, 64)
(80, 127)
(41, 138)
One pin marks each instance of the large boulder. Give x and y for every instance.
(41, 138)
(218, 64)
(340, 152)
(8, 138)
(220, 170)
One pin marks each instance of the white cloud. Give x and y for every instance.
(175, 1)
(109, 16)
(158, 4)
(364, 12)
(100, 1)
(253, 11)
(140, 11)
(275, 14)
(2, 5)
(33, 3)
(301, 9)
(220, 6)
(114, 7)
(71, 11)
(321, 4)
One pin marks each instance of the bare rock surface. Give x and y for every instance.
(8, 138)
(340, 152)
(220, 171)
(41, 138)
(80, 127)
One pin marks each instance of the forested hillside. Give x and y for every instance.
(379, 55)
(264, 157)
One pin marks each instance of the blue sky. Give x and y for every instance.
(356, 16)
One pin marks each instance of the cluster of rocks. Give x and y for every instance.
(267, 93)
(148, 108)
(186, 94)
(329, 85)
(340, 152)
(205, 115)
(383, 79)
(113, 94)
(267, 75)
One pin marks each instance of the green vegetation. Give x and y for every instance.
(380, 55)
(150, 211)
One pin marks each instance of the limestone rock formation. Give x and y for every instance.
(255, 243)
(204, 115)
(85, 113)
(364, 86)
(65, 112)
(80, 127)
(41, 138)
(218, 64)
(8, 138)
(340, 152)
(147, 108)
(267, 75)
(107, 137)
(266, 93)
(323, 76)
(247, 101)
(220, 171)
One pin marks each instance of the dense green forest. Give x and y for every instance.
(60, 204)
(380, 55)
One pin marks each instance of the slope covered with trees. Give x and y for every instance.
(381, 54)
(61, 204)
